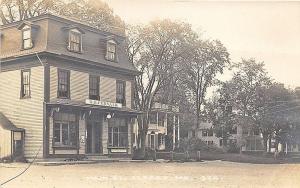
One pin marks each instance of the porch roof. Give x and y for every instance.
(8, 125)
(80, 104)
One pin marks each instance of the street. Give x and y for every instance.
(150, 174)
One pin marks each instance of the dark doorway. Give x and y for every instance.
(94, 137)
(18, 144)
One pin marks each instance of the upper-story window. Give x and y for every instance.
(120, 92)
(111, 50)
(63, 90)
(25, 83)
(94, 87)
(75, 40)
(26, 37)
(207, 132)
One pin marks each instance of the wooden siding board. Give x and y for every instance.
(128, 94)
(5, 143)
(79, 86)
(24, 113)
(108, 89)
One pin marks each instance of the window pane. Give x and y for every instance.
(65, 133)
(27, 43)
(94, 87)
(63, 83)
(115, 139)
(72, 135)
(26, 34)
(123, 139)
(25, 83)
(120, 92)
(110, 136)
(56, 132)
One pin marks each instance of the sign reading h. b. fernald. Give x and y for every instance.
(103, 103)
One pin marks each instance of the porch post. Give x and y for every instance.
(174, 133)
(105, 136)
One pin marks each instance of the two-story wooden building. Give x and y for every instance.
(65, 90)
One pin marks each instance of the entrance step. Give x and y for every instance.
(96, 157)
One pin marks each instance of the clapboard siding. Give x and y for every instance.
(53, 82)
(79, 85)
(5, 143)
(24, 113)
(128, 94)
(107, 89)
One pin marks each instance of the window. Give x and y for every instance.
(204, 132)
(245, 131)
(117, 132)
(75, 41)
(111, 50)
(210, 143)
(64, 130)
(153, 117)
(25, 83)
(256, 131)
(94, 87)
(210, 132)
(233, 130)
(161, 119)
(161, 139)
(193, 133)
(152, 141)
(26, 37)
(120, 89)
(63, 84)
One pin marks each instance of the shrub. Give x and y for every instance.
(232, 148)
(196, 144)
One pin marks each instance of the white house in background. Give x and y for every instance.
(164, 130)
(247, 139)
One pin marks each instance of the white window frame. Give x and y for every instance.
(108, 52)
(27, 28)
(75, 32)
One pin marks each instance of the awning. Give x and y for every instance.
(8, 125)
(80, 104)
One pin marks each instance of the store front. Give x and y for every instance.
(89, 130)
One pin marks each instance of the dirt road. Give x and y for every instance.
(154, 175)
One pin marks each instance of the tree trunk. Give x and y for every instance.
(143, 129)
(265, 140)
(269, 149)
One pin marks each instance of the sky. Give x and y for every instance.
(267, 31)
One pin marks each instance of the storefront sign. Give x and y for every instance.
(103, 103)
(117, 150)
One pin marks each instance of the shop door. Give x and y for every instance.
(18, 144)
(94, 135)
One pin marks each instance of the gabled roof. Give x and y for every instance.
(6, 124)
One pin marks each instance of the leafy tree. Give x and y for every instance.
(95, 13)
(155, 50)
(206, 61)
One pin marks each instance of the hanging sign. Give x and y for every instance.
(103, 103)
